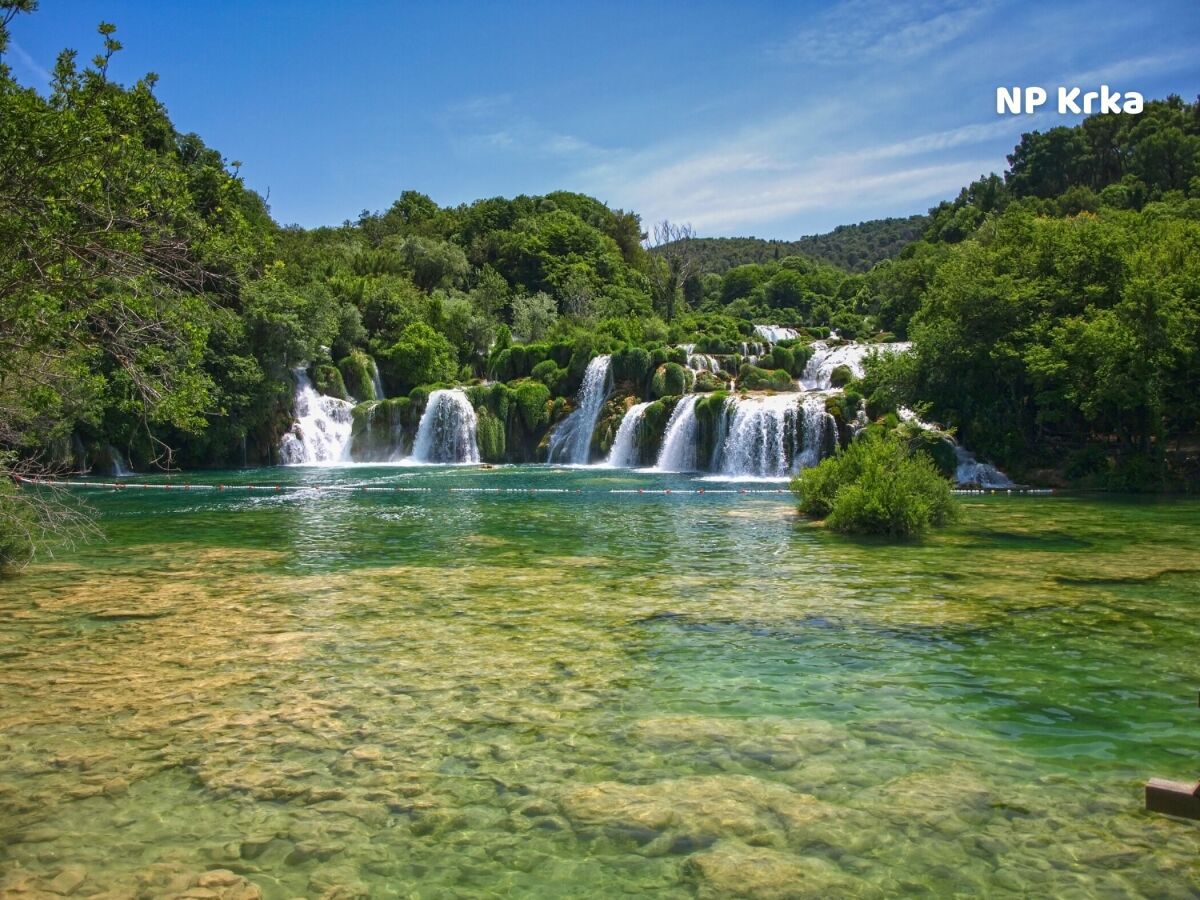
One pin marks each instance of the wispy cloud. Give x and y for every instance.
(858, 30)
(29, 64)
(1135, 67)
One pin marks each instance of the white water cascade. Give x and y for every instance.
(775, 436)
(446, 433)
(971, 471)
(571, 441)
(678, 453)
(819, 370)
(702, 362)
(623, 453)
(321, 433)
(773, 334)
(376, 381)
(120, 469)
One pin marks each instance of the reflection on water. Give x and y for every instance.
(439, 695)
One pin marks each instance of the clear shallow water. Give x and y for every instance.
(577, 695)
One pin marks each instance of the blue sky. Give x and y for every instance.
(771, 119)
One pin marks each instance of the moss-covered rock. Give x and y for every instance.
(752, 378)
(670, 380)
(841, 376)
(707, 382)
(328, 380)
(654, 426)
(532, 400)
(554, 376)
(608, 423)
(631, 367)
(358, 371)
(490, 435)
(383, 430)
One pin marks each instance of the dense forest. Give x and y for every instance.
(148, 301)
(855, 248)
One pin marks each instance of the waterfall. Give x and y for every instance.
(678, 453)
(571, 441)
(774, 436)
(819, 433)
(773, 334)
(624, 451)
(118, 463)
(702, 362)
(971, 471)
(321, 432)
(376, 381)
(446, 433)
(762, 437)
(825, 359)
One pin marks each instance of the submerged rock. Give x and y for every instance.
(699, 807)
(731, 869)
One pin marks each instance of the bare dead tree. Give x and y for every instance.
(672, 246)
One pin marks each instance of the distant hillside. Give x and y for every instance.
(852, 247)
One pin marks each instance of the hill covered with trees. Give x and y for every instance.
(855, 248)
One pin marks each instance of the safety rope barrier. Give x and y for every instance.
(406, 489)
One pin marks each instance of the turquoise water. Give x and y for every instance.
(449, 694)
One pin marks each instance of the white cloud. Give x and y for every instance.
(29, 63)
(859, 30)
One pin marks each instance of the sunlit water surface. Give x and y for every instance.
(592, 694)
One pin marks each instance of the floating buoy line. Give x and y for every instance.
(118, 486)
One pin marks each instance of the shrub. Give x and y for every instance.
(551, 375)
(841, 376)
(670, 380)
(328, 380)
(356, 376)
(752, 378)
(532, 399)
(876, 486)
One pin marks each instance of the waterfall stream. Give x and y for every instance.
(571, 441)
(320, 434)
(120, 469)
(678, 453)
(818, 372)
(624, 451)
(446, 433)
(376, 381)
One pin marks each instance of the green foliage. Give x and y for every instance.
(489, 431)
(328, 380)
(841, 376)
(752, 378)
(670, 380)
(532, 400)
(357, 372)
(876, 486)
(853, 247)
(420, 356)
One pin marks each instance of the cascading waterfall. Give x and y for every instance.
(773, 334)
(571, 441)
(968, 471)
(446, 433)
(624, 451)
(376, 381)
(819, 369)
(702, 362)
(971, 471)
(774, 436)
(321, 433)
(762, 438)
(678, 453)
(819, 433)
(120, 469)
